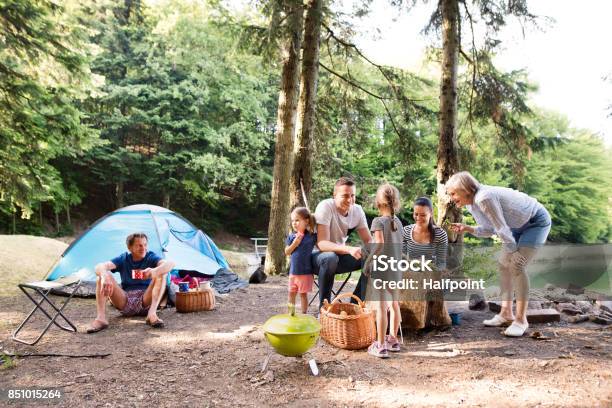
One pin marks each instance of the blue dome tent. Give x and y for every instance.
(170, 235)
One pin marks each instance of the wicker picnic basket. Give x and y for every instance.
(195, 300)
(352, 330)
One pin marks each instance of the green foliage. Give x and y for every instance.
(185, 113)
(479, 261)
(573, 181)
(183, 96)
(39, 80)
(6, 362)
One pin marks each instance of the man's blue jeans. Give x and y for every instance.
(327, 265)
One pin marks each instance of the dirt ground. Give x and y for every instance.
(215, 358)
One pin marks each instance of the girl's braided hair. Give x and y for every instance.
(388, 195)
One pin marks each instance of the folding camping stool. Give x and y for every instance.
(334, 293)
(43, 288)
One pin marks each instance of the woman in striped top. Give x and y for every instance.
(522, 224)
(424, 238)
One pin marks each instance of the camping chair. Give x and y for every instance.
(43, 288)
(334, 293)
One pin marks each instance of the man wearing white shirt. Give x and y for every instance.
(335, 218)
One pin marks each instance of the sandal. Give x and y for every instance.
(94, 329)
(158, 324)
(497, 321)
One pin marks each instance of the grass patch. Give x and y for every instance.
(25, 258)
(6, 362)
(342, 276)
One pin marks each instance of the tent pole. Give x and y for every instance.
(158, 236)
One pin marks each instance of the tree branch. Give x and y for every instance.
(356, 85)
(381, 68)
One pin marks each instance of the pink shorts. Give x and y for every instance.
(300, 283)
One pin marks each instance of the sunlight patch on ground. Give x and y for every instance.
(8, 319)
(484, 392)
(26, 258)
(188, 337)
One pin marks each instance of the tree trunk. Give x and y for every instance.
(166, 200)
(285, 129)
(422, 308)
(448, 148)
(419, 313)
(119, 194)
(40, 214)
(14, 222)
(68, 215)
(57, 222)
(302, 165)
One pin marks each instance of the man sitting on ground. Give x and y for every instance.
(143, 283)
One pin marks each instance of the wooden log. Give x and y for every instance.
(543, 316)
(423, 308)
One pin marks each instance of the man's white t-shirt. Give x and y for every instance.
(339, 225)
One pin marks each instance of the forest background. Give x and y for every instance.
(174, 103)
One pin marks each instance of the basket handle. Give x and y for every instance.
(197, 288)
(348, 295)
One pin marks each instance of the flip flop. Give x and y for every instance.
(94, 329)
(158, 324)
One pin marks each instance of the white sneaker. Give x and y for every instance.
(378, 350)
(497, 321)
(516, 329)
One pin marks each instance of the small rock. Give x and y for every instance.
(578, 318)
(584, 305)
(605, 305)
(495, 307)
(600, 319)
(574, 289)
(549, 286)
(477, 302)
(509, 353)
(534, 304)
(569, 308)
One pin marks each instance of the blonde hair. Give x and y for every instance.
(304, 214)
(463, 181)
(388, 195)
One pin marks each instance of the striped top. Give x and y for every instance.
(436, 251)
(497, 210)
